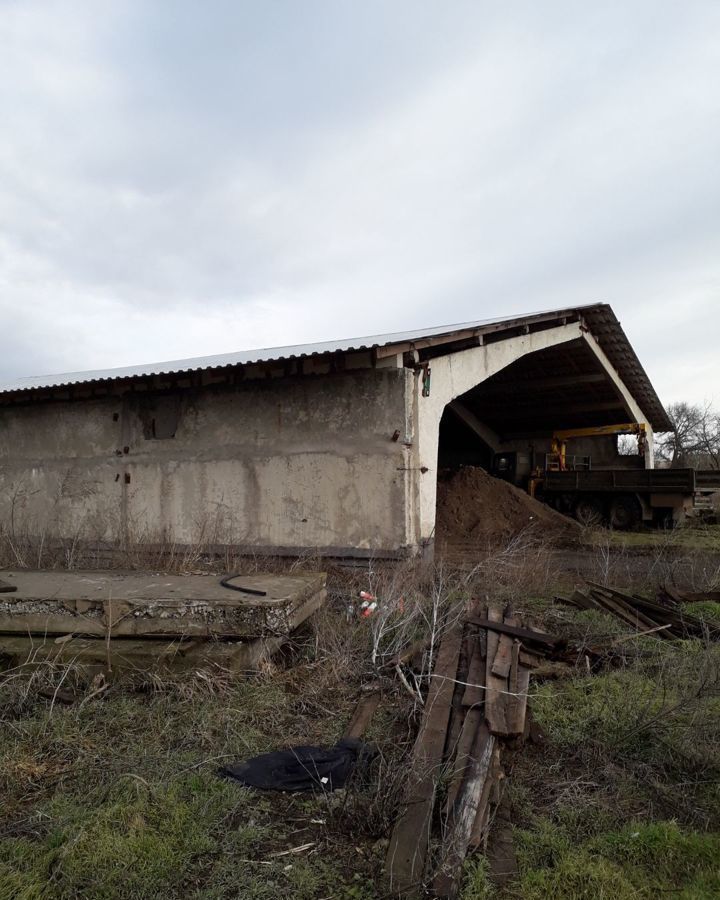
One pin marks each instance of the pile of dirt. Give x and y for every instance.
(474, 506)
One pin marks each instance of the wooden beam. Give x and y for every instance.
(503, 658)
(509, 325)
(474, 698)
(525, 634)
(362, 716)
(533, 385)
(497, 686)
(457, 713)
(474, 693)
(589, 406)
(424, 343)
(492, 788)
(405, 862)
(519, 682)
(465, 810)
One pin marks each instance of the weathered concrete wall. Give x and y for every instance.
(305, 462)
(275, 464)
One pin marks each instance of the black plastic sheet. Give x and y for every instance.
(303, 768)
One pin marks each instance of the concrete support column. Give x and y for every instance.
(451, 376)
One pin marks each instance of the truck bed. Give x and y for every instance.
(655, 481)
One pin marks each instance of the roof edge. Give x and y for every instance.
(598, 317)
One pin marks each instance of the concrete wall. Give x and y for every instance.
(282, 463)
(305, 462)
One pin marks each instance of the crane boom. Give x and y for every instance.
(559, 438)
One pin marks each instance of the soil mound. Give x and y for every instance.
(474, 506)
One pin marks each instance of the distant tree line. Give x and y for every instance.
(694, 441)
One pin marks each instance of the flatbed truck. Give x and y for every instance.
(624, 497)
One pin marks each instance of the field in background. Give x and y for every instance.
(694, 538)
(115, 794)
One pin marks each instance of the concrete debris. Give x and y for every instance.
(142, 619)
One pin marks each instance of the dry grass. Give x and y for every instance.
(687, 556)
(115, 794)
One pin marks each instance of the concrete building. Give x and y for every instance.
(332, 447)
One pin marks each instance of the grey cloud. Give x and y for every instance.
(239, 174)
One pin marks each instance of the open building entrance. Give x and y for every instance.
(461, 445)
(505, 426)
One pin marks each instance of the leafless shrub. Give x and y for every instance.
(371, 802)
(524, 566)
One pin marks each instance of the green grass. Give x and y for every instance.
(623, 801)
(638, 861)
(654, 724)
(195, 837)
(136, 842)
(604, 709)
(707, 610)
(478, 884)
(683, 538)
(121, 799)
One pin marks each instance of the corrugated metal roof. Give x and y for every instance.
(599, 316)
(247, 357)
(605, 327)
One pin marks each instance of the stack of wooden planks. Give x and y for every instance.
(669, 593)
(663, 616)
(476, 705)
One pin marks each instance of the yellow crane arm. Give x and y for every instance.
(623, 428)
(559, 438)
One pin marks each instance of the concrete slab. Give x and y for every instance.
(139, 655)
(145, 605)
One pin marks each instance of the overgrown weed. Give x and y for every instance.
(135, 763)
(623, 799)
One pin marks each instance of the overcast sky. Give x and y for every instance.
(182, 178)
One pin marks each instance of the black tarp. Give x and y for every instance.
(303, 768)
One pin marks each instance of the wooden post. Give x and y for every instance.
(465, 811)
(405, 863)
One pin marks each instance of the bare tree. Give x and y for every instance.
(695, 438)
(709, 438)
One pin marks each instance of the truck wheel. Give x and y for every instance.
(588, 511)
(625, 513)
